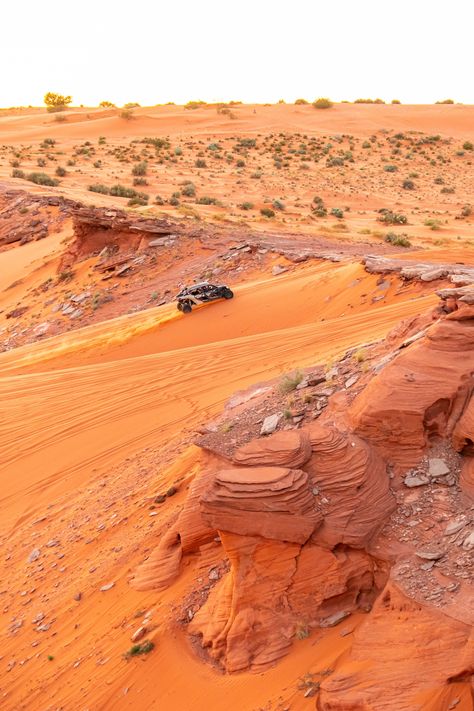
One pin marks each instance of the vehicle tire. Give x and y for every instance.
(186, 308)
(180, 306)
(228, 294)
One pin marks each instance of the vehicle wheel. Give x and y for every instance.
(180, 306)
(228, 294)
(186, 308)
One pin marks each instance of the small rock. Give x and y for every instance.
(454, 527)
(213, 574)
(278, 269)
(270, 424)
(139, 633)
(78, 596)
(468, 542)
(334, 620)
(412, 481)
(351, 381)
(430, 555)
(437, 467)
(34, 555)
(106, 587)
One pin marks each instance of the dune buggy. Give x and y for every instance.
(201, 293)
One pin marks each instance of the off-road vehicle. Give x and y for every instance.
(201, 293)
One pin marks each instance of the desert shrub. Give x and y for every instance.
(433, 224)
(439, 181)
(334, 162)
(445, 101)
(396, 101)
(366, 144)
(390, 168)
(392, 218)
(300, 102)
(15, 163)
(159, 200)
(140, 168)
(290, 382)
(41, 162)
(140, 181)
(126, 114)
(97, 164)
(137, 200)
(70, 162)
(174, 201)
(189, 190)
(106, 105)
(42, 179)
(205, 200)
(240, 164)
(247, 142)
(131, 105)
(191, 105)
(200, 163)
(16, 173)
(256, 175)
(337, 212)
(143, 648)
(178, 151)
(466, 211)
(99, 188)
(397, 240)
(246, 206)
(408, 184)
(468, 146)
(447, 190)
(267, 212)
(278, 205)
(56, 102)
(122, 191)
(369, 101)
(322, 103)
(102, 140)
(318, 207)
(60, 171)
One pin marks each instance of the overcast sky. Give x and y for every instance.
(151, 51)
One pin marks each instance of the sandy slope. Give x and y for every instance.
(68, 431)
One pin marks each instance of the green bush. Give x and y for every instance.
(278, 205)
(267, 212)
(56, 102)
(322, 103)
(408, 184)
(98, 188)
(397, 240)
(205, 200)
(200, 163)
(140, 181)
(246, 206)
(433, 224)
(188, 190)
(468, 146)
(60, 171)
(392, 218)
(300, 102)
(337, 212)
(16, 173)
(42, 179)
(390, 168)
(140, 168)
(396, 101)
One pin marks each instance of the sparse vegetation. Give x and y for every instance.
(56, 102)
(392, 218)
(137, 649)
(290, 382)
(322, 103)
(400, 240)
(433, 224)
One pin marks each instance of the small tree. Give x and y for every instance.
(106, 105)
(56, 102)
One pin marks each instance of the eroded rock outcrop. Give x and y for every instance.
(283, 449)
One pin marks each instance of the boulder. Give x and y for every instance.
(290, 448)
(272, 502)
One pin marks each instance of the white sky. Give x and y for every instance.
(152, 51)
